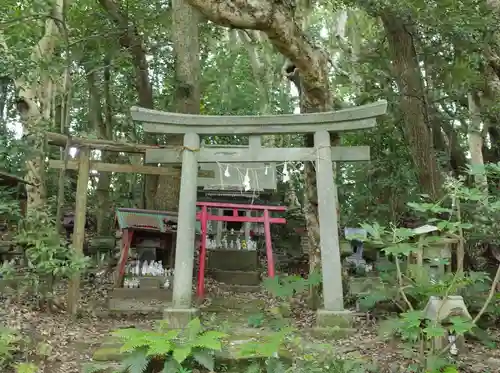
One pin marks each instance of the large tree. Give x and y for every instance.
(283, 24)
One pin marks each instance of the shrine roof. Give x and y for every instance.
(150, 220)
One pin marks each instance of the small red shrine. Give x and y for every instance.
(137, 225)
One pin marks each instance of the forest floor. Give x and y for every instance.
(68, 344)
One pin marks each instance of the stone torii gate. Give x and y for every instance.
(190, 155)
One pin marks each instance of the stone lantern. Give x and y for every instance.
(436, 252)
(440, 311)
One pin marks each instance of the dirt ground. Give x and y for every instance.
(69, 343)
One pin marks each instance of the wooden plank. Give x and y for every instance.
(341, 120)
(127, 168)
(108, 145)
(238, 155)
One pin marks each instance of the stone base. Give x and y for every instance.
(251, 278)
(332, 333)
(179, 318)
(333, 319)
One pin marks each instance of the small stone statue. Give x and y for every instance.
(166, 284)
(145, 268)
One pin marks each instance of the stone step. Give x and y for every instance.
(233, 260)
(241, 288)
(142, 293)
(224, 304)
(120, 308)
(236, 277)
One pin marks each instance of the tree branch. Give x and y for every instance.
(242, 14)
(277, 20)
(132, 40)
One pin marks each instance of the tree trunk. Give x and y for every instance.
(279, 22)
(413, 103)
(131, 40)
(187, 88)
(35, 103)
(475, 138)
(101, 121)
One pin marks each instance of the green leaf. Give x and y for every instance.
(484, 337)
(412, 318)
(404, 233)
(161, 348)
(436, 363)
(402, 248)
(194, 328)
(389, 327)
(208, 341)
(460, 325)
(450, 369)
(204, 358)
(369, 301)
(170, 366)
(274, 365)
(26, 368)
(443, 225)
(434, 331)
(133, 344)
(137, 362)
(421, 207)
(476, 169)
(181, 353)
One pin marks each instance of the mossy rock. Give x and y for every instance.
(108, 352)
(331, 333)
(104, 367)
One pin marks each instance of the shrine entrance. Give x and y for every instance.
(204, 216)
(323, 154)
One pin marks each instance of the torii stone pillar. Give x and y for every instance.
(321, 124)
(182, 312)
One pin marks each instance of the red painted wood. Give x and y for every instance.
(203, 253)
(127, 237)
(242, 219)
(269, 245)
(203, 216)
(266, 219)
(240, 206)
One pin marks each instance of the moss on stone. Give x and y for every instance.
(108, 353)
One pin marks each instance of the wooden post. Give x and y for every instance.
(269, 245)
(126, 243)
(79, 228)
(186, 224)
(203, 253)
(328, 227)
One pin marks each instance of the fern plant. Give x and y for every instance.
(166, 350)
(8, 346)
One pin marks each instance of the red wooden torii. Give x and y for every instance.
(204, 216)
